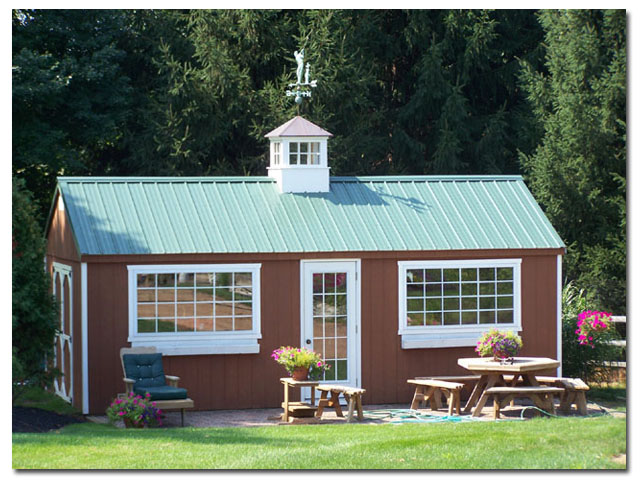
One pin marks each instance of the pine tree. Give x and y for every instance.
(578, 171)
(33, 307)
(70, 97)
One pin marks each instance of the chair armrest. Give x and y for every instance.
(173, 380)
(128, 385)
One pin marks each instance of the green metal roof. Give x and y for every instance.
(123, 215)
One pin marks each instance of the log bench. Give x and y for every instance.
(542, 397)
(574, 391)
(352, 395)
(428, 389)
(469, 382)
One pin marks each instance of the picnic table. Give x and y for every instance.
(492, 373)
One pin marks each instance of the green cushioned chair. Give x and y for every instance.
(143, 373)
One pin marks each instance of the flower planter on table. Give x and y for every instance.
(298, 409)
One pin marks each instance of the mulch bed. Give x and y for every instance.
(36, 420)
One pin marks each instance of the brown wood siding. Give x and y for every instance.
(61, 249)
(251, 380)
(60, 240)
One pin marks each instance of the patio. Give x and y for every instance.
(373, 414)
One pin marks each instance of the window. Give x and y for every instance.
(276, 153)
(450, 303)
(304, 153)
(190, 309)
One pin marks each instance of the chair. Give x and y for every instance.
(143, 373)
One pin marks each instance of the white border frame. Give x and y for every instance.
(357, 307)
(197, 343)
(458, 335)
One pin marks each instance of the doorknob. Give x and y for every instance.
(308, 342)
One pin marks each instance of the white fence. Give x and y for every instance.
(618, 343)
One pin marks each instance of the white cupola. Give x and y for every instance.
(298, 157)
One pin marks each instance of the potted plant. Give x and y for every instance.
(300, 363)
(135, 411)
(500, 345)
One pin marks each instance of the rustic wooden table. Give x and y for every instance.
(298, 407)
(492, 374)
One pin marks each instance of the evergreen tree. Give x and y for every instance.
(578, 171)
(70, 97)
(33, 307)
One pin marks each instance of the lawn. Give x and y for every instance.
(543, 443)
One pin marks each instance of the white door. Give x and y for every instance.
(62, 353)
(331, 317)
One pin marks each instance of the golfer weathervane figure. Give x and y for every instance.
(298, 89)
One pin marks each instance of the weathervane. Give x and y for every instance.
(297, 88)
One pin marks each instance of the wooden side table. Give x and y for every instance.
(298, 409)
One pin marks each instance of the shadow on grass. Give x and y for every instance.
(93, 434)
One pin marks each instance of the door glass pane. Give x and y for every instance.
(329, 324)
(318, 327)
(317, 283)
(341, 369)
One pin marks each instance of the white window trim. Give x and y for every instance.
(196, 343)
(457, 335)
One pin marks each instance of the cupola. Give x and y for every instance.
(298, 157)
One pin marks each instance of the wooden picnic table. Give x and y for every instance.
(298, 408)
(492, 374)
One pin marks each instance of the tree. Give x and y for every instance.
(578, 170)
(34, 313)
(70, 97)
(461, 106)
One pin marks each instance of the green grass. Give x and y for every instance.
(543, 443)
(35, 397)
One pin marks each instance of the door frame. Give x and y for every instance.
(357, 355)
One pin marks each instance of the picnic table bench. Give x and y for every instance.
(542, 397)
(352, 395)
(429, 389)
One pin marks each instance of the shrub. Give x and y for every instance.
(34, 312)
(586, 337)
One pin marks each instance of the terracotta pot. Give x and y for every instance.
(128, 423)
(300, 373)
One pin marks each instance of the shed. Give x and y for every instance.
(388, 277)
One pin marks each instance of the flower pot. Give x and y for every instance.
(300, 373)
(128, 423)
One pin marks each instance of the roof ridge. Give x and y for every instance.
(413, 178)
(176, 179)
(266, 179)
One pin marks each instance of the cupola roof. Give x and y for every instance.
(298, 127)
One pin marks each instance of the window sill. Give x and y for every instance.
(211, 346)
(447, 338)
